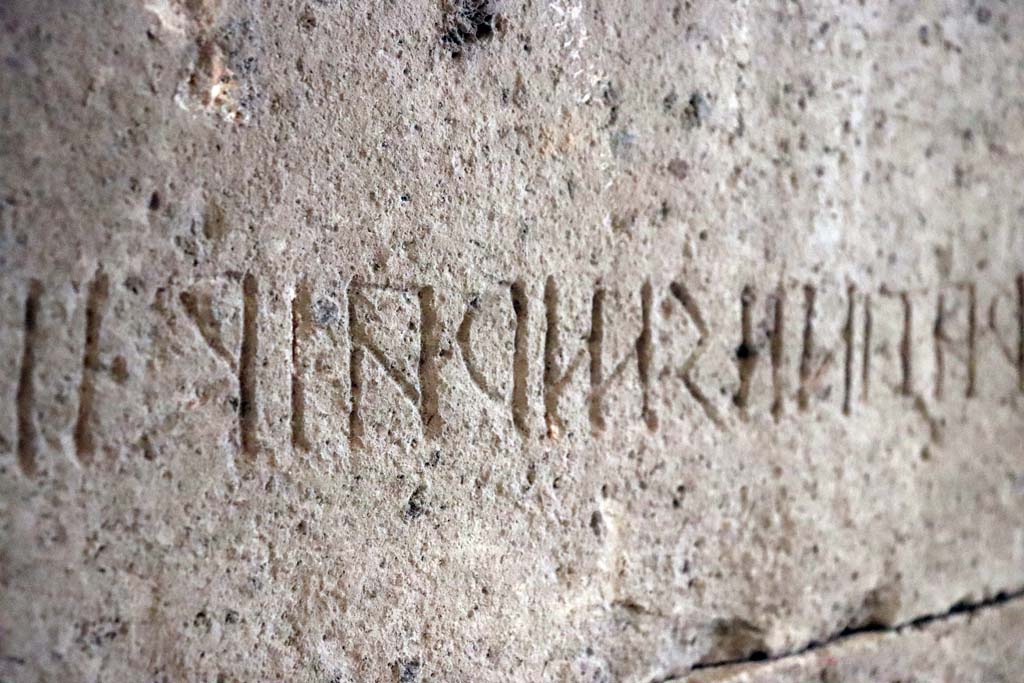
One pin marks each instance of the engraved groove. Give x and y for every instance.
(95, 306)
(300, 324)
(806, 354)
(247, 360)
(938, 339)
(26, 383)
(355, 375)
(851, 292)
(810, 376)
(595, 342)
(642, 349)
(1020, 332)
(551, 419)
(906, 345)
(520, 358)
(993, 325)
(428, 365)
(934, 425)
(746, 352)
(464, 340)
(680, 292)
(865, 382)
(554, 381)
(778, 353)
(359, 335)
(645, 355)
(972, 339)
(425, 397)
(198, 309)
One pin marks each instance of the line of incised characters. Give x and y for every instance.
(423, 388)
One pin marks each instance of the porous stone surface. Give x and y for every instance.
(480, 340)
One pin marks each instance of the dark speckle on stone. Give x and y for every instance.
(669, 101)
(202, 621)
(409, 671)
(468, 21)
(326, 312)
(679, 168)
(416, 505)
(697, 111)
(597, 523)
(307, 19)
(622, 143)
(745, 351)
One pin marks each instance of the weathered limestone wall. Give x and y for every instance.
(540, 340)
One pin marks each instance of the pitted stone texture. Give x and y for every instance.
(557, 341)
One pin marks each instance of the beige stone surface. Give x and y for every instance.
(549, 340)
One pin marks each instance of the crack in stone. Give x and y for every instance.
(960, 608)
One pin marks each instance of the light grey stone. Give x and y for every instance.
(503, 341)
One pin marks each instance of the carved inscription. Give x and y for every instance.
(1020, 332)
(602, 379)
(685, 373)
(865, 368)
(247, 405)
(521, 358)
(26, 382)
(926, 365)
(555, 379)
(421, 390)
(95, 306)
(468, 357)
(747, 351)
(778, 352)
(301, 310)
(851, 293)
(813, 365)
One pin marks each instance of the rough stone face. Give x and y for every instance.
(481, 340)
